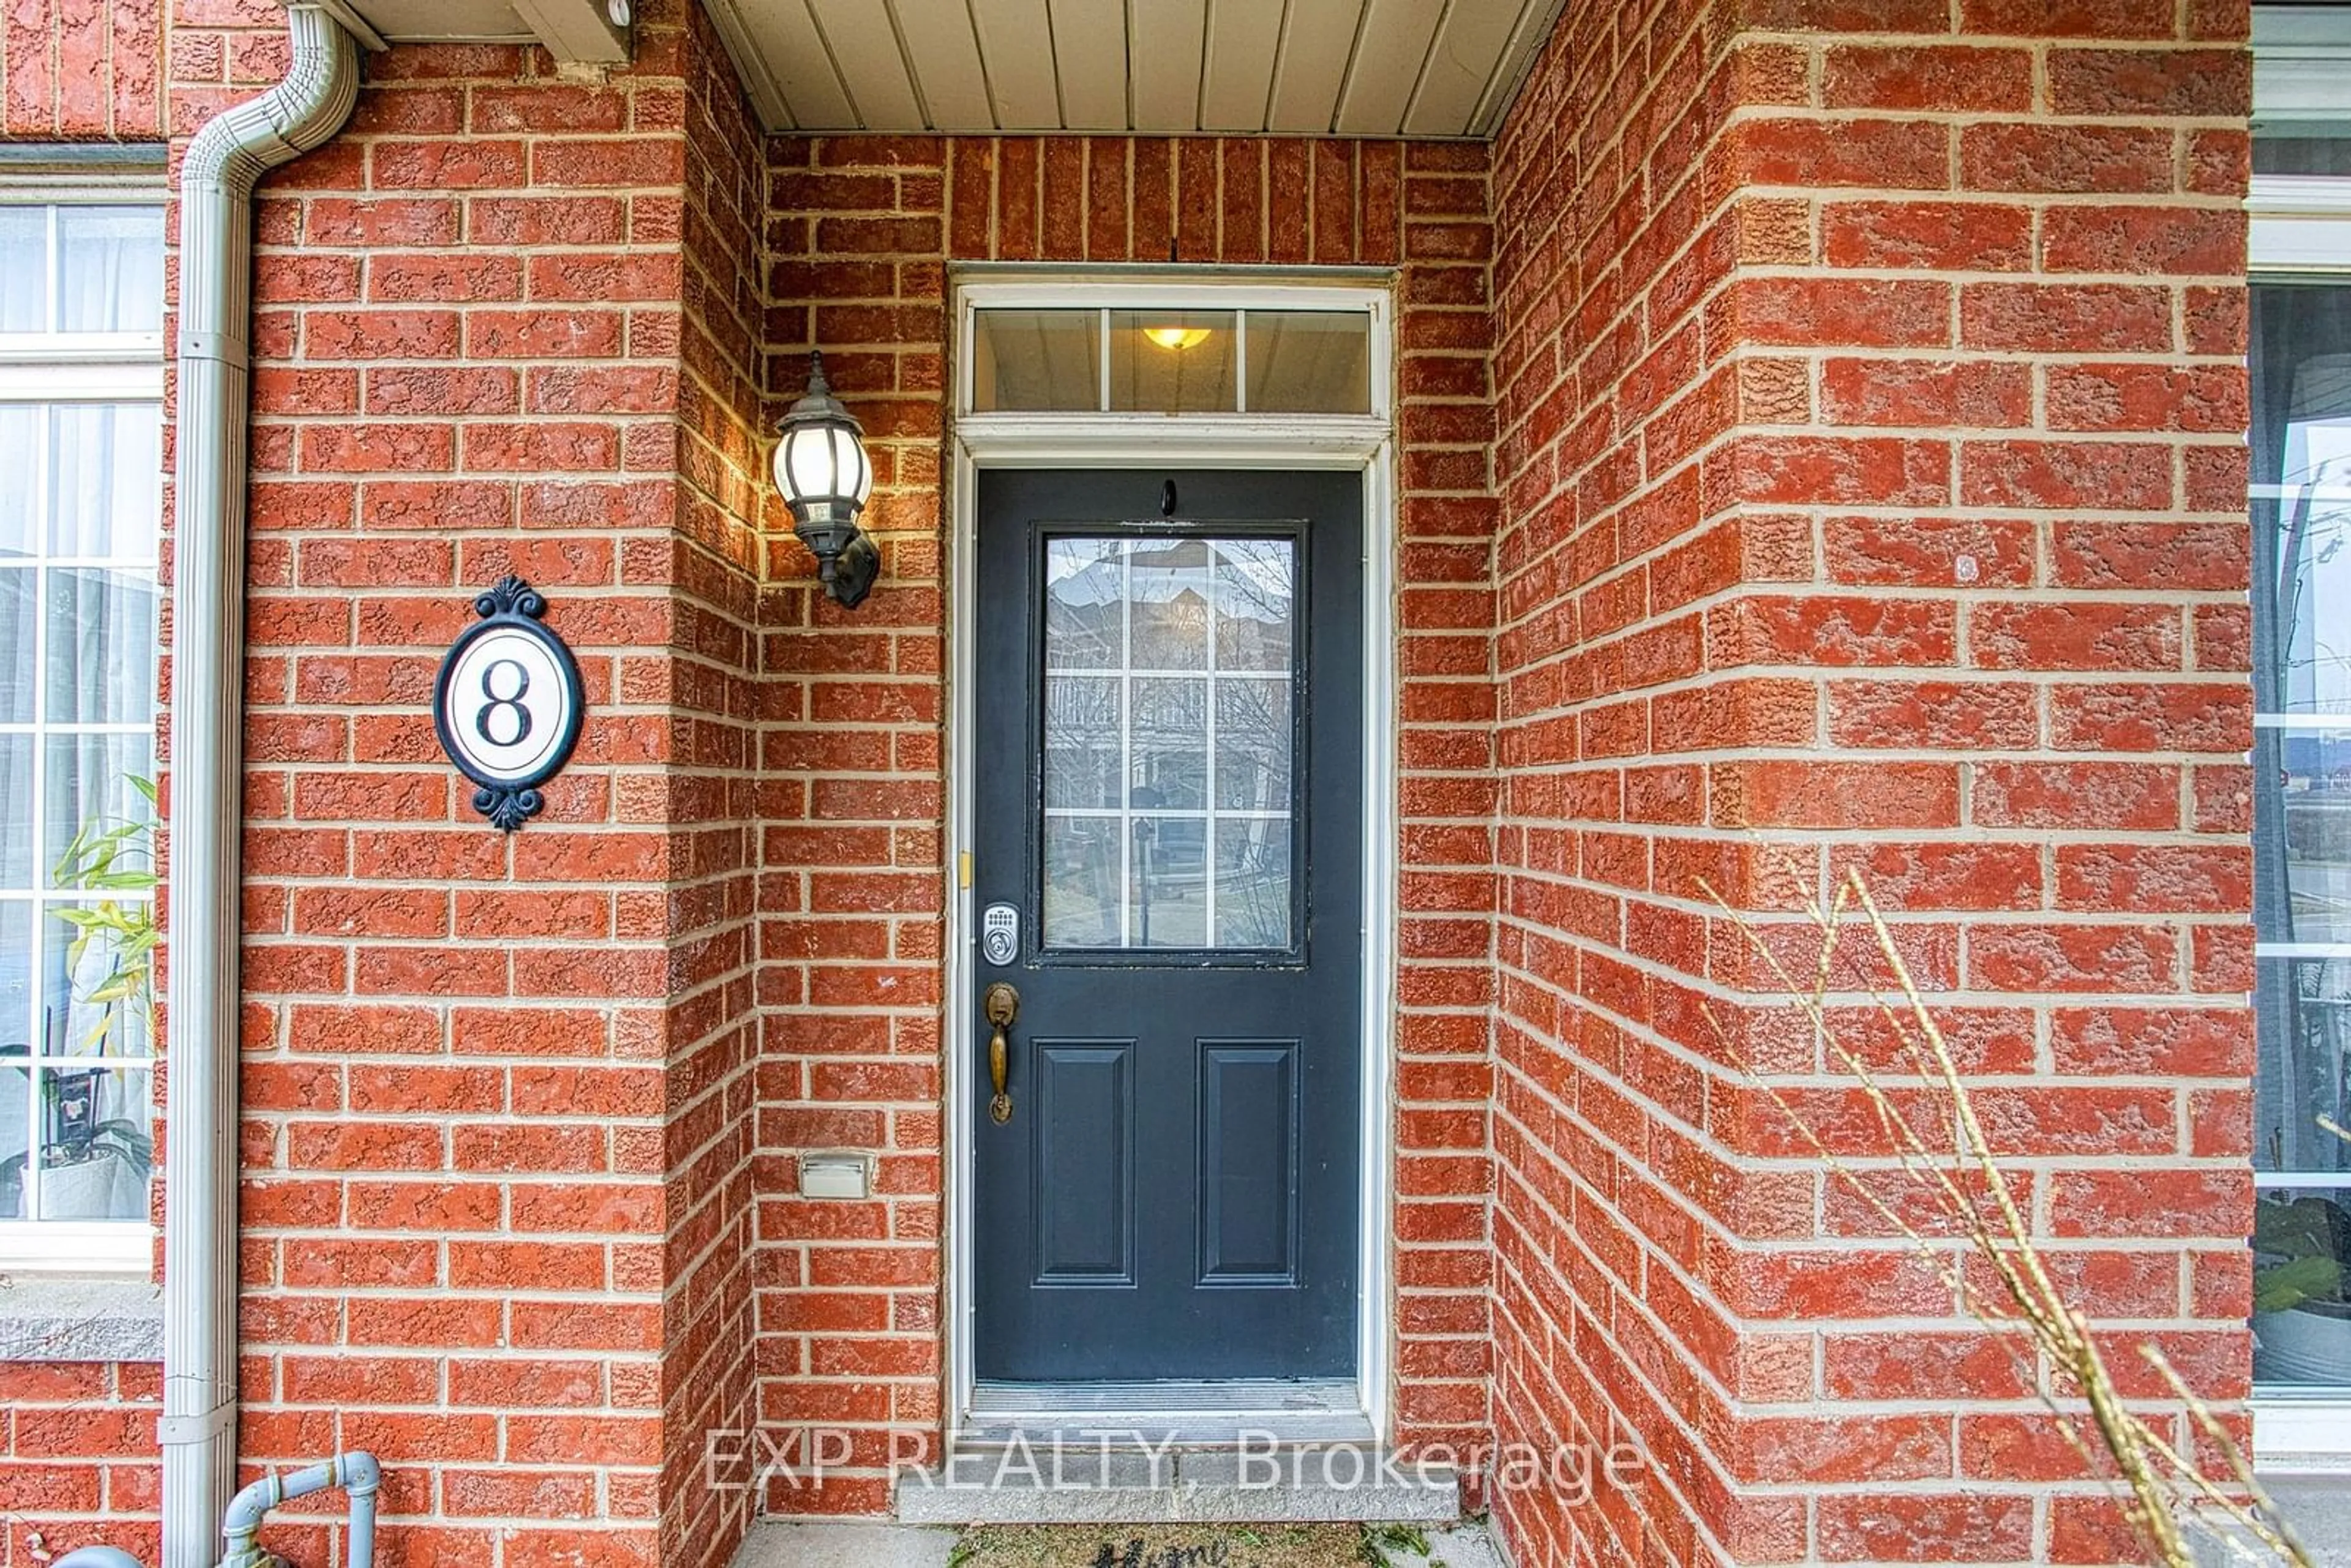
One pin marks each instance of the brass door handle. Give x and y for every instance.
(1001, 1003)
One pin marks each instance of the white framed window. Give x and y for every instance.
(81, 383)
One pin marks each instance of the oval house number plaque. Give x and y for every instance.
(507, 704)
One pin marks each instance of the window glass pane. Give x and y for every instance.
(15, 1125)
(1173, 742)
(16, 812)
(88, 785)
(1309, 361)
(96, 981)
(16, 622)
(101, 662)
(110, 269)
(2301, 1310)
(2304, 1067)
(25, 269)
(20, 461)
(2302, 834)
(1037, 359)
(15, 994)
(2304, 153)
(106, 468)
(97, 1152)
(1172, 361)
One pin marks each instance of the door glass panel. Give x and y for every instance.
(1309, 361)
(1253, 746)
(1252, 882)
(1167, 604)
(1037, 360)
(1085, 716)
(1171, 744)
(1166, 884)
(1172, 361)
(1169, 725)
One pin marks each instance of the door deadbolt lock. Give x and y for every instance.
(999, 934)
(1001, 1003)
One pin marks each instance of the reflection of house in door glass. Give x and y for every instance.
(1169, 711)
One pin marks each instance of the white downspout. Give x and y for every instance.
(224, 161)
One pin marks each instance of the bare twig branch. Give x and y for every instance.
(2165, 1490)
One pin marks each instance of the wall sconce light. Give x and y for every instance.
(823, 475)
(1176, 338)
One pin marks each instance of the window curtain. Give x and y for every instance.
(110, 269)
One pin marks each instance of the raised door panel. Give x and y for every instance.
(1249, 1163)
(1084, 1132)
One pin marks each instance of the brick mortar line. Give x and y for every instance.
(1752, 1164)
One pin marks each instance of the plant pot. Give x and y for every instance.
(84, 1190)
(2308, 1344)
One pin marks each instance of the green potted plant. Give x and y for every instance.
(2302, 1320)
(95, 1166)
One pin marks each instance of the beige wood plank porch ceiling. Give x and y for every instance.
(1346, 67)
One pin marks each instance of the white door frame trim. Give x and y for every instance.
(1359, 444)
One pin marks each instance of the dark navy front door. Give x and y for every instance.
(1167, 857)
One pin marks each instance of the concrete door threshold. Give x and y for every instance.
(778, 1543)
(1051, 1481)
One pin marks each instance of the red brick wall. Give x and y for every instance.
(1780, 326)
(496, 1161)
(79, 1463)
(860, 231)
(1870, 441)
(83, 70)
(718, 555)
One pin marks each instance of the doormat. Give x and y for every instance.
(1186, 1546)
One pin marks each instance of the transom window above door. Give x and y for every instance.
(1123, 349)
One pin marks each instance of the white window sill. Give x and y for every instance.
(68, 1317)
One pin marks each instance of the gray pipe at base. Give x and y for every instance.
(224, 161)
(356, 1473)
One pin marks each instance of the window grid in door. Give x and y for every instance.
(1179, 858)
